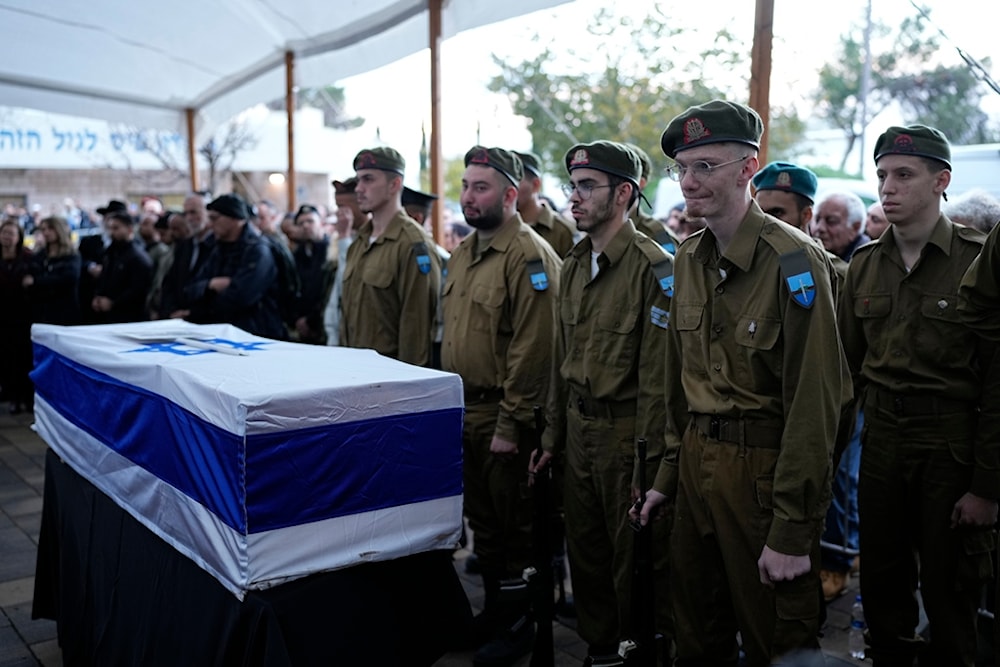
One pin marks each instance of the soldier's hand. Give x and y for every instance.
(650, 510)
(972, 510)
(502, 448)
(775, 566)
(539, 459)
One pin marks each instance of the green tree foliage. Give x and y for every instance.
(907, 69)
(624, 81)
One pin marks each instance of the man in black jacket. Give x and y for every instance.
(237, 284)
(125, 276)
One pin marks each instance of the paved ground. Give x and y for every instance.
(24, 642)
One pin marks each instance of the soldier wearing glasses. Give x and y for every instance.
(755, 384)
(614, 302)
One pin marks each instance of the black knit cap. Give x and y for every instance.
(714, 122)
(505, 161)
(381, 157)
(531, 162)
(232, 206)
(918, 140)
(610, 157)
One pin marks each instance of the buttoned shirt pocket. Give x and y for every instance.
(937, 338)
(488, 303)
(615, 328)
(757, 363)
(687, 320)
(873, 310)
(377, 277)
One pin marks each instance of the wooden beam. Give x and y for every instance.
(290, 112)
(760, 68)
(192, 154)
(437, 168)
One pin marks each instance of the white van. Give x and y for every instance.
(975, 166)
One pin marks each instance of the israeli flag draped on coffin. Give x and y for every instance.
(262, 461)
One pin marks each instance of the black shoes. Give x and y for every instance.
(507, 646)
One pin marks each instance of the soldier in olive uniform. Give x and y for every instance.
(614, 304)
(930, 458)
(499, 329)
(550, 225)
(788, 191)
(755, 385)
(392, 276)
(647, 224)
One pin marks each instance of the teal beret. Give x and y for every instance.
(787, 177)
(505, 161)
(610, 157)
(918, 140)
(382, 157)
(531, 162)
(647, 164)
(712, 123)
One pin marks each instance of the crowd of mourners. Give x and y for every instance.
(774, 346)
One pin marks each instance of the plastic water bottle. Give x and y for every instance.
(856, 635)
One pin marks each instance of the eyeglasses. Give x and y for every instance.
(585, 189)
(699, 169)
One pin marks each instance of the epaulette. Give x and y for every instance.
(660, 262)
(971, 234)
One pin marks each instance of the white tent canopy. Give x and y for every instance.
(146, 63)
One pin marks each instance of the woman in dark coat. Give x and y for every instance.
(54, 282)
(15, 324)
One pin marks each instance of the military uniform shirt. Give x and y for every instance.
(553, 228)
(498, 328)
(390, 292)
(903, 332)
(614, 329)
(746, 349)
(657, 231)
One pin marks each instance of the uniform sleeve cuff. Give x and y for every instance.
(666, 480)
(792, 538)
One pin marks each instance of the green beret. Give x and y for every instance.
(504, 161)
(918, 140)
(531, 162)
(382, 157)
(712, 123)
(787, 177)
(647, 164)
(610, 157)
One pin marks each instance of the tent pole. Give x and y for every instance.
(192, 159)
(437, 169)
(760, 68)
(290, 110)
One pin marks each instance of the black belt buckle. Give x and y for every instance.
(715, 426)
(898, 405)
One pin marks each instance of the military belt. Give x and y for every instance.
(746, 432)
(916, 405)
(483, 396)
(590, 407)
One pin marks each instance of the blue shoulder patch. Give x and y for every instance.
(536, 273)
(422, 256)
(798, 276)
